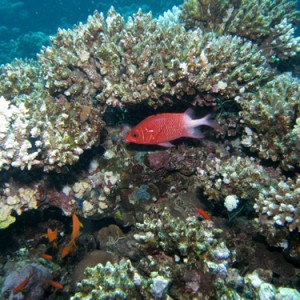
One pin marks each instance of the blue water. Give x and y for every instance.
(26, 25)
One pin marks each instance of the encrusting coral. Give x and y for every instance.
(270, 24)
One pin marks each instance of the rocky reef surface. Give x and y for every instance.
(216, 218)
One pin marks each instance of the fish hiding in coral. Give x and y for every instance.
(71, 247)
(162, 128)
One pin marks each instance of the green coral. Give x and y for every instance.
(270, 24)
(19, 77)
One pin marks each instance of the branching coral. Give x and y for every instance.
(112, 281)
(18, 200)
(271, 119)
(41, 130)
(276, 197)
(234, 175)
(268, 23)
(187, 256)
(279, 206)
(37, 128)
(139, 61)
(116, 63)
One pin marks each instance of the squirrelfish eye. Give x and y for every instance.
(135, 134)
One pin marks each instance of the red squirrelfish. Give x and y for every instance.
(160, 129)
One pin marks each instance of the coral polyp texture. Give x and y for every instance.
(186, 254)
(271, 117)
(170, 214)
(270, 24)
(38, 129)
(121, 63)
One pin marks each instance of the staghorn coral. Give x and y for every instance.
(270, 24)
(271, 120)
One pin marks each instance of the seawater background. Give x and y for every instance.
(26, 25)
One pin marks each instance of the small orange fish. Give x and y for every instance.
(71, 247)
(52, 234)
(55, 284)
(204, 214)
(76, 227)
(45, 256)
(22, 284)
(160, 129)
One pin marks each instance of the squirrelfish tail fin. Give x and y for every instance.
(205, 121)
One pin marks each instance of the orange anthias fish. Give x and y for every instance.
(55, 284)
(22, 284)
(52, 235)
(45, 256)
(71, 247)
(204, 214)
(160, 129)
(76, 227)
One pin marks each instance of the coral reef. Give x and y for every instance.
(167, 216)
(16, 199)
(117, 64)
(186, 249)
(38, 129)
(279, 206)
(121, 63)
(120, 280)
(271, 118)
(269, 24)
